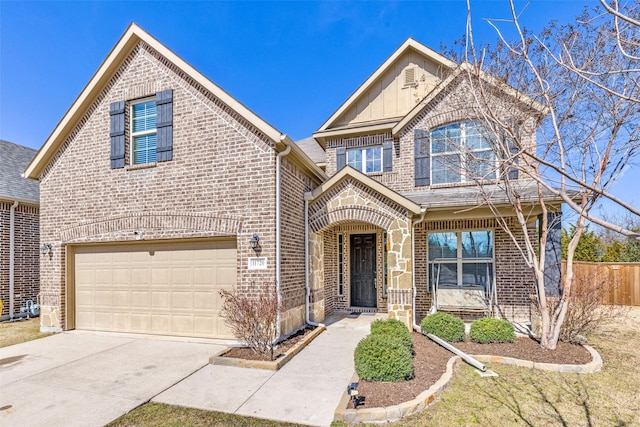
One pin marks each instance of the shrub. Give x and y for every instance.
(394, 328)
(382, 357)
(490, 330)
(253, 318)
(444, 325)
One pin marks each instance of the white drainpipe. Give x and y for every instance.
(12, 256)
(278, 157)
(307, 314)
(423, 212)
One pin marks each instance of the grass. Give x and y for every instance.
(529, 397)
(157, 414)
(20, 331)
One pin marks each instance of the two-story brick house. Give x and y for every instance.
(156, 185)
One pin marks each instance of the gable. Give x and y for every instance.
(110, 70)
(408, 80)
(393, 90)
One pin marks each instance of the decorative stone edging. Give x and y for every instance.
(424, 399)
(219, 359)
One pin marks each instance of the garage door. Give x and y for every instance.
(160, 288)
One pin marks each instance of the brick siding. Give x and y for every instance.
(27, 255)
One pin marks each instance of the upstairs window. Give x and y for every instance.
(143, 132)
(366, 160)
(461, 152)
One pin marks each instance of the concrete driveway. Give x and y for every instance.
(83, 379)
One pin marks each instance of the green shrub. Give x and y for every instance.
(394, 328)
(444, 325)
(381, 357)
(489, 330)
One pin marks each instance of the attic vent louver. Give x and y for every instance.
(410, 77)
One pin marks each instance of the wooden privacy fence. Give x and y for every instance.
(622, 280)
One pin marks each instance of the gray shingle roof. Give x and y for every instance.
(14, 159)
(472, 195)
(312, 149)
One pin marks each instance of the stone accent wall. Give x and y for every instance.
(26, 278)
(350, 202)
(514, 279)
(221, 180)
(316, 277)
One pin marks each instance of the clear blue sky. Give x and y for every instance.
(292, 63)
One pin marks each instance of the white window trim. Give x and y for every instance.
(364, 158)
(133, 134)
(461, 151)
(459, 261)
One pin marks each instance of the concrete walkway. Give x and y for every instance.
(305, 391)
(83, 379)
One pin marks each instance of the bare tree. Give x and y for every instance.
(566, 133)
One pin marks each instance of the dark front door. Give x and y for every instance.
(363, 270)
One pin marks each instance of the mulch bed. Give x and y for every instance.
(430, 360)
(284, 346)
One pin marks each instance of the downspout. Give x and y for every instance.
(12, 255)
(307, 197)
(423, 212)
(278, 255)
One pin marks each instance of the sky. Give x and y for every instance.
(292, 63)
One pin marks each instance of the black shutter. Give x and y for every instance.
(164, 125)
(512, 172)
(387, 156)
(553, 254)
(341, 158)
(116, 113)
(422, 170)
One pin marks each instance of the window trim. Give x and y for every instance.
(133, 135)
(460, 261)
(364, 158)
(460, 151)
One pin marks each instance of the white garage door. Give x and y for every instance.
(158, 288)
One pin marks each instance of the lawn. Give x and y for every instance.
(517, 396)
(20, 331)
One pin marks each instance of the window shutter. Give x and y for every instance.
(553, 254)
(387, 156)
(164, 125)
(116, 113)
(422, 172)
(341, 158)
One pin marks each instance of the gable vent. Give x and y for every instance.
(410, 77)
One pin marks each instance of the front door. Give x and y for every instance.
(363, 270)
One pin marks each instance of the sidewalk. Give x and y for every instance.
(305, 391)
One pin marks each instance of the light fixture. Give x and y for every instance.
(255, 243)
(352, 392)
(46, 248)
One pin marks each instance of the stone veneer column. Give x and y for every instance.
(400, 286)
(316, 276)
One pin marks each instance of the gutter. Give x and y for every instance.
(280, 155)
(12, 256)
(307, 196)
(423, 212)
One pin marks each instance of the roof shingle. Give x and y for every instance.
(14, 159)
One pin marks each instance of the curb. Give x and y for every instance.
(218, 359)
(424, 399)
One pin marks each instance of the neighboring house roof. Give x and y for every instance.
(312, 149)
(132, 36)
(14, 159)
